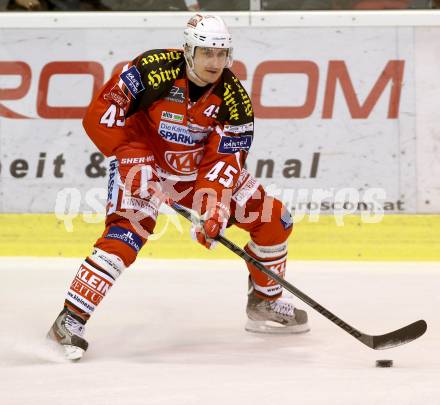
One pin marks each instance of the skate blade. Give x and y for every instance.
(73, 353)
(70, 352)
(274, 328)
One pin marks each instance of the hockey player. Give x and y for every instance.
(180, 122)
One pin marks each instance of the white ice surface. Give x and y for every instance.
(171, 332)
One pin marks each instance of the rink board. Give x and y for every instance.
(396, 237)
(343, 103)
(343, 108)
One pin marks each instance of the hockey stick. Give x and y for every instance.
(396, 338)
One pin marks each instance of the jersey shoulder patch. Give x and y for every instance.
(132, 80)
(160, 66)
(151, 75)
(236, 106)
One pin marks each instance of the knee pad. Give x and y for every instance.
(274, 229)
(111, 263)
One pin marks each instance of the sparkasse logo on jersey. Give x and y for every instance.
(175, 133)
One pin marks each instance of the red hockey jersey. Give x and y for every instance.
(147, 105)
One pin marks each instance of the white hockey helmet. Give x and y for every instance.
(207, 31)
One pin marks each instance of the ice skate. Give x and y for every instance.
(68, 330)
(278, 316)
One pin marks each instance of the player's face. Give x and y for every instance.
(209, 63)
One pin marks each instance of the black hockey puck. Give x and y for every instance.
(384, 363)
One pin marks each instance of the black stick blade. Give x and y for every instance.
(398, 337)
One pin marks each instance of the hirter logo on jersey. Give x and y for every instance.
(186, 162)
(132, 79)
